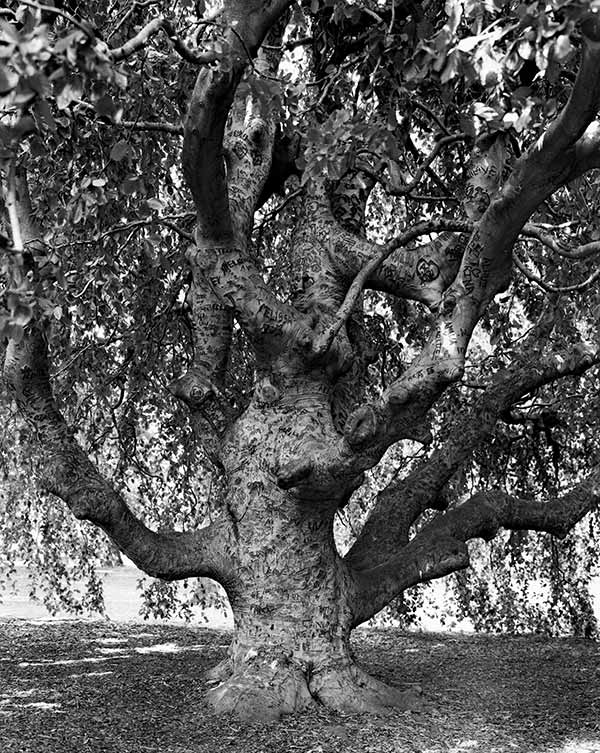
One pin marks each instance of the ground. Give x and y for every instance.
(102, 687)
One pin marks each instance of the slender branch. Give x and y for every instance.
(549, 287)
(134, 125)
(140, 40)
(584, 251)
(396, 189)
(324, 342)
(85, 27)
(147, 125)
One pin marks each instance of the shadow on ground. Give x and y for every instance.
(98, 687)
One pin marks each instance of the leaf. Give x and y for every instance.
(72, 89)
(8, 80)
(45, 113)
(119, 151)
(562, 47)
(21, 314)
(155, 204)
(105, 106)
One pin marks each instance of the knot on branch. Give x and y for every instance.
(294, 471)
(361, 427)
(193, 388)
(399, 394)
(450, 554)
(266, 392)
(199, 258)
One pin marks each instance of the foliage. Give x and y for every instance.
(373, 90)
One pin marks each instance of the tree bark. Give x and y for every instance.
(291, 591)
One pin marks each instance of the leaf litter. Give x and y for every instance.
(497, 694)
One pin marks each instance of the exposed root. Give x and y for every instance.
(348, 689)
(263, 692)
(220, 671)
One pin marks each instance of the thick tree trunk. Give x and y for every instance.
(290, 594)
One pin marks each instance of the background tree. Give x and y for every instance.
(208, 358)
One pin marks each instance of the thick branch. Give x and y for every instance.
(402, 502)
(66, 471)
(440, 547)
(354, 291)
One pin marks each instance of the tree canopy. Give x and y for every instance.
(268, 265)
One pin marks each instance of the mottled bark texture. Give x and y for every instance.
(298, 452)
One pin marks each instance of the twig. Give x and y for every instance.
(549, 287)
(137, 4)
(284, 203)
(11, 206)
(402, 190)
(135, 125)
(584, 251)
(87, 29)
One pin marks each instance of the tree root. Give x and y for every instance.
(348, 689)
(263, 691)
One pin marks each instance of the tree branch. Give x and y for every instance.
(403, 501)
(440, 547)
(325, 340)
(137, 43)
(549, 287)
(395, 187)
(65, 470)
(584, 251)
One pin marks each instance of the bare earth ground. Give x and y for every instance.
(101, 687)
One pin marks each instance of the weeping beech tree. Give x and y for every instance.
(200, 201)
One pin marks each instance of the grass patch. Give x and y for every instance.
(101, 687)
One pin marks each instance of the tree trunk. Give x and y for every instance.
(290, 593)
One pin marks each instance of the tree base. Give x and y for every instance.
(349, 689)
(264, 692)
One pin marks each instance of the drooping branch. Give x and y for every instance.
(440, 547)
(402, 502)
(486, 264)
(65, 470)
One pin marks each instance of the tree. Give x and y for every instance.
(366, 190)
